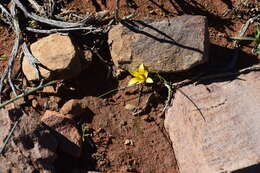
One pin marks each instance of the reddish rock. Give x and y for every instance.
(170, 45)
(68, 136)
(5, 124)
(229, 138)
(74, 107)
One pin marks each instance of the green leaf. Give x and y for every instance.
(243, 38)
(3, 57)
(257, 50)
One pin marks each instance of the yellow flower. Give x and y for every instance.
(140, 76)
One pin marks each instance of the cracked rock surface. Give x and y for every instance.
(228, 139)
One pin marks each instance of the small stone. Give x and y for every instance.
(35, 103)
(129, 142)
(48, 89)
(51, 105)
(88, 55)
(130, 107)
(123, 123)
(58, 54)
(68, 136)
(171, 45)
(74, 107)
(147, 118)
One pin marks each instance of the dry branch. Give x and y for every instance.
(37, 7)
(89, 29)
(51, 22)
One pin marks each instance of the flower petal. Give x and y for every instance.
(134, 73)
(145, 74)
(149, 80)
(141, 69)
(133, 81)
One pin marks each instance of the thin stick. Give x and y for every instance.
(117, 18)
(9, 136)
(7, 15)
(90, 29)
(37, 7)
(32, 60)
(51, 22)
(117, 89)
(140, 95)
(169, 96)
(26, 93)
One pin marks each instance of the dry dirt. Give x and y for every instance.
(117, 140)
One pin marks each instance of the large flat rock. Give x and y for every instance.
(229, 139)
(170, 45)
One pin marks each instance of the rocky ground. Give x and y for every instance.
(66, 127)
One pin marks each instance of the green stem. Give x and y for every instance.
(8, 137)
(117, 89)
(26, 93)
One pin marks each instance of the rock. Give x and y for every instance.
(129, 142)
(27, 150)
(67, 134)
(170, 45)
(49, 90)
(5, 124)
(130, 107)
(229, 138)
(74, 107)
(51, 105)
(35, 103)
(58, 54)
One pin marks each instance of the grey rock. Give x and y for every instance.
(172, 45)
(229, 138)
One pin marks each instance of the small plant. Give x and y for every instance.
(256, 39)
(3, 57)
(140, 76)
(85, 133)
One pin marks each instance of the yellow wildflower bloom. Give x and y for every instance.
(140, 76)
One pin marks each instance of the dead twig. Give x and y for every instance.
(169, 96)
(6, 14)
(50, 8)
(32, 60)
(8, 70)
(37, 7)
(139, 111)
(51, 22)
(89, 29)
(116, 11)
